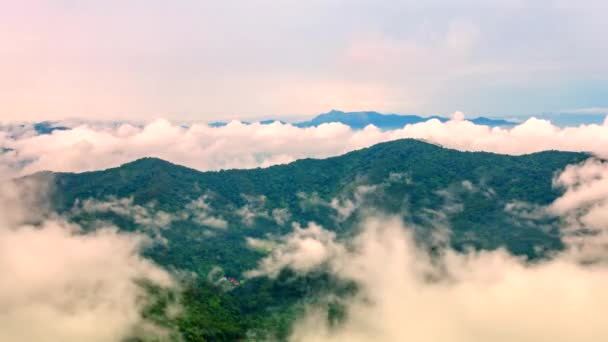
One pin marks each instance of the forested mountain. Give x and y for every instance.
(208, 220)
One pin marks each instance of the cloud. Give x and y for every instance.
(237, 145)
(255, 207)
(146, 216)
(405, 294)
(63, 285)
(281, 216)
(303, 250)
(260, 244)
(488, 287)
(201, 213)
(584, 206)
(408, 293)
(586, 188)
(346, 205)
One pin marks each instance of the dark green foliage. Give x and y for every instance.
(411, 179)
(202, 312)
(209, 315)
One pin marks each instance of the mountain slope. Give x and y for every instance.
(214, 216)
(408, 178)
(428, 165)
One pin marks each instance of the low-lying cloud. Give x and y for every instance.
(408, 293)
(59, 284)
(237, 145)
(63, 282)
(148, 216)
(145, 216)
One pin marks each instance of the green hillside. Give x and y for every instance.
(213, 214)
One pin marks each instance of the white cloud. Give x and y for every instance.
(146, 216)
(260, 244)
(492, 288)
(346, 205)
(62, 285)
(584, 205)
(237, 145)
(281, 216)
(407, 295)
(586, 187)
(348, 202)
(303, 249)
(202, 213)
(254, 207)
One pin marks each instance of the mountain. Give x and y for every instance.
(48, 127)
(359, 120)
(411, 175)
(492, 122)
(215, 214)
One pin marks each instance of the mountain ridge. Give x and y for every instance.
(361, 119)
(426, 172)
(158, 161)
(206, 220)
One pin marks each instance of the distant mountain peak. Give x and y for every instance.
(151, 163)
(361, 119)
(148, 161)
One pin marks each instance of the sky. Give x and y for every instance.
(167, 61)
(217, 60)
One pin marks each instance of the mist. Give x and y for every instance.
(59, 284)
(92, 146)
(408, 293)
(65, 281)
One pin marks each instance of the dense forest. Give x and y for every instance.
(218, 225)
